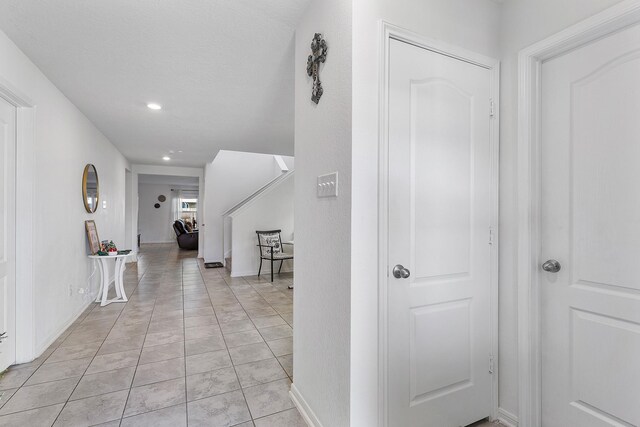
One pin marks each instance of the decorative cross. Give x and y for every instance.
(318, 55)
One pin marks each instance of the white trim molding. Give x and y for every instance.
(25, 170)
(390, 32)
(529, 65)
(507, 418)
(303, 407)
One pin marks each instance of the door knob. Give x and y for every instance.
(552, 266)
(399, 272)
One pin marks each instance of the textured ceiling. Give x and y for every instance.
(222, 69)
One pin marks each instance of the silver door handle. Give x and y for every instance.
(399, 272)
(552, 266)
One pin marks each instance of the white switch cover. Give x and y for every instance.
(104, 204)
(328, 185)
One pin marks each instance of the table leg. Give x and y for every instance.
(119, 284)
(104, 270)
(99, 297)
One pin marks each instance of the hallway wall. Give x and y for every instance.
(65, 141)
(155, 225)
(322, 295)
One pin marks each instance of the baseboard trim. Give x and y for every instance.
(255, 272)
(304, 408)
(53, 337)
(507, 418)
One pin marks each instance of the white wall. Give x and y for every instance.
(65, 141)
(273, 209)
(471, 24)
(524, 22)
(229, 178)
(322, 296)
(155, 225)
(128, 209)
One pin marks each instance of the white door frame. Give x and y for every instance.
(25, 168)
(389, 32)
(529, 65)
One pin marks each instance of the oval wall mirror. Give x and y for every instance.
(90, 188)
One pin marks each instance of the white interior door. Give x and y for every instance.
(7, 233)
(439, 317)
(590, 224)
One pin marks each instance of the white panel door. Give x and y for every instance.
(7, 233)
(590, 224)
(439, 222)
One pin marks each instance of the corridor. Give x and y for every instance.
(192, 346)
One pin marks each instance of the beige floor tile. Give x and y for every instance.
(104, 382)
(93, 410)
(211, 383)
(289, 418)
(270, 398)
(155, 396)
(260, 372)
(162, 352)
(238, 339)
(36, 417)
(282, 346)
(227, 409)
(174, 416)
(40, 395)
(208, 362)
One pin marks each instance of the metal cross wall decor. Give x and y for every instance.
(318, 56)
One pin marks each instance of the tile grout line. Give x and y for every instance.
(138, 364)
(226, 346)
(124, 408)
(258, 329)
(184, 344)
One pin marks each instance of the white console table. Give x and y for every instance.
(120, 266)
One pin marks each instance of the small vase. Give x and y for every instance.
(113, 253)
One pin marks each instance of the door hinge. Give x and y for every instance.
(491, 235)
(491, 108)
(491, 364)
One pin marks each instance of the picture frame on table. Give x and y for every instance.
(92, 236)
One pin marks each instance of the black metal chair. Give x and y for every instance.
(270, 244)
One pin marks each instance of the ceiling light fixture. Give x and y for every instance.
(154, 106)
(166, 158)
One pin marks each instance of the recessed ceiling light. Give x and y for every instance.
(154, 106)
(166, 158)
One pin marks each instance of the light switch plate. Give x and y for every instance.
(104, 204)
(327, 185)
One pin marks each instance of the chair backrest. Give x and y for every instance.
(269, 241)
(178, 227)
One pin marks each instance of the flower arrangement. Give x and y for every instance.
(110, 248)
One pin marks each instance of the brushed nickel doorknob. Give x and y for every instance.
(399, 272)
(552, 266)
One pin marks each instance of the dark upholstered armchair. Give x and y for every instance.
(186, 240)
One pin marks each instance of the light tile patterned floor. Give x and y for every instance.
(192, 346)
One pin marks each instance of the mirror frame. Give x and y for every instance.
(85, 174)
